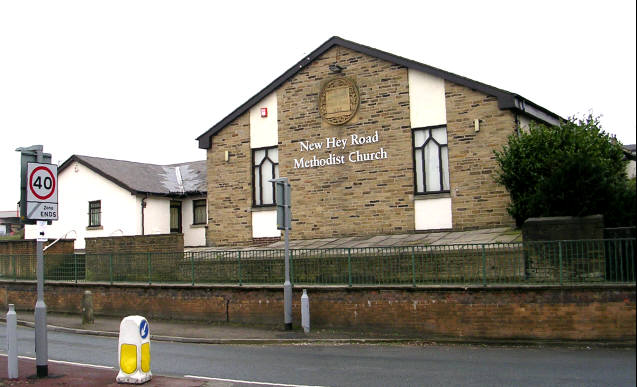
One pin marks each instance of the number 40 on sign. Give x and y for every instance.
(42, 197)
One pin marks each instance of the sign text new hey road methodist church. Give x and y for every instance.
(339, 145)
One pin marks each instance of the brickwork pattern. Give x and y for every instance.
(362, 198)
(18, 258)
(477, 200)
(136, 243)
(28, 246)
(349, 199)
(577, 313)
(230, 186)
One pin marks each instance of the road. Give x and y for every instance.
(356, 365)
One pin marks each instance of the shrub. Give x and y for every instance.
(575, 169)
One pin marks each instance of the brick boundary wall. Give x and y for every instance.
(28, 246)
(591, 312)
(135, 243)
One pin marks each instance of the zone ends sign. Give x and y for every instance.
(42, 194)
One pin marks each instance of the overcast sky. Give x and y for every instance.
(140, 80)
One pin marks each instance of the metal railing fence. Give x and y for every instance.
(554, 262)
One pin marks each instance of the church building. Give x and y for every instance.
(372, 143)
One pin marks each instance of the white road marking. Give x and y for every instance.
(247, 381)
(69, 363)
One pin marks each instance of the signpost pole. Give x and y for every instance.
(287, 285)
(41, 346)
(284, 222)
(46, 177)
(41, 350)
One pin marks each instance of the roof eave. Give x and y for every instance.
(75, 158)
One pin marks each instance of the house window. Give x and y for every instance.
(199, 214)
(95, 213)
(431, 160)
(175, 216)
(265, 163)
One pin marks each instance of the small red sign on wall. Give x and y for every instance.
(264, 112)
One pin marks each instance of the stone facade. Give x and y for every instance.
(478, 201)
(230, 185)
(343, 200)
(368, 197)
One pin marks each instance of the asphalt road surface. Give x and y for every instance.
(358, 365)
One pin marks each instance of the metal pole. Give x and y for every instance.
(239, 262)
(41, 350)
(287, 285)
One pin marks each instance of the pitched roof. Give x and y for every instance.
(506, 99)
(141, 178)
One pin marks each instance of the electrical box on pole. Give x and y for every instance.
(283, 208)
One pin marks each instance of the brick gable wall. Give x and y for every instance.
(478, 201)
(363, 198)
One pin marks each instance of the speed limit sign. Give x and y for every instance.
(42, 191)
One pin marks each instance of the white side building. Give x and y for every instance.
(100, 197)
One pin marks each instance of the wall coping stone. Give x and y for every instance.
(603, 286)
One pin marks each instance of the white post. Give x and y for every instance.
(12, 343)
(305, 312)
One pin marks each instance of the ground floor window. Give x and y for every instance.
(175, 216)
(431, 160)
(199, 215)
(95, 213)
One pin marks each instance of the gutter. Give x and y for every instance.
(520, 104)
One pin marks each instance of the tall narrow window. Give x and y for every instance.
(175, 216)
(95, 213)
(199, 211)
(265, 166)
(431, 160)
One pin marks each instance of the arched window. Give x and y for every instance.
(265, 162)
(431, 160)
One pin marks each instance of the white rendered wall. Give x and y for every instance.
(433, 214)
(264, 224)
(194, 234)
(264, 131)
(77, 186)
(426, 99)
(427, 107)
(156, 216)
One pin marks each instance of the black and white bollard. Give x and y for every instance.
(305, 312)
(12, 343)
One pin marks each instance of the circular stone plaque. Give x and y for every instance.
(338, 100)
